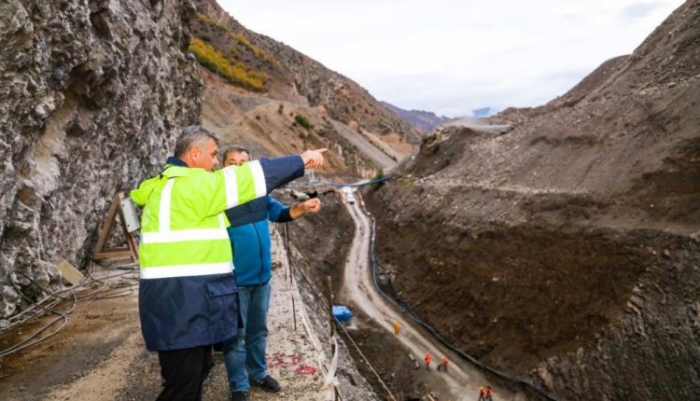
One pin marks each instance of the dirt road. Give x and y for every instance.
(463, 380)
(369, 148)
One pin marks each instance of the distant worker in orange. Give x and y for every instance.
(397, 327)
(482, 394)
(427, 361)
(489, 393)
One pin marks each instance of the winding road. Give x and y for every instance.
(463, 380)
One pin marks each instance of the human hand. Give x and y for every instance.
(313, 158)
(312, 205)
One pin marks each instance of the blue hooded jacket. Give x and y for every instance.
(250, 238)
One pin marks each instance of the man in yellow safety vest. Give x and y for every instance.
(187, 291)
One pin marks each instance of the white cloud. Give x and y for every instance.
(452, 56)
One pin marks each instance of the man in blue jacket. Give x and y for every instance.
(250, 240)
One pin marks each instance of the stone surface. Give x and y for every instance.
(92, 95)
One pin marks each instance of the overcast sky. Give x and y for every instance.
(453, 56)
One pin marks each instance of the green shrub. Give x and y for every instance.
(303, 121)
(376, 185)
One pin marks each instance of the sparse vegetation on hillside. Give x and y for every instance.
(206, 20)
(211, 58)
(376, 185)
(260, 53)
(226, 58)
(303, 121)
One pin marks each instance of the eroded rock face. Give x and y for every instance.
(92, 95)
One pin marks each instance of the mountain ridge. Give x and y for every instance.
(293, 77)
(426, 121)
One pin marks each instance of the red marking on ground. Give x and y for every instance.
(305, 370)
(280, 360)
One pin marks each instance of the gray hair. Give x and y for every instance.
(194, 135)
(237, 149)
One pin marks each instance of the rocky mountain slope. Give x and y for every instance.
(566, 251)
(271, 86)
(92, 95)
(426, 121)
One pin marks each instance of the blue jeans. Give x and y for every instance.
(245, 357)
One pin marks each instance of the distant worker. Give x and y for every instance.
(427, 361)
(250, 241)
(489, 393)
(397, 327)
(443, 365)
(482, 394)
(187, 290)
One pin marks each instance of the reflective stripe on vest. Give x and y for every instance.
(231, 182)
(186, 270)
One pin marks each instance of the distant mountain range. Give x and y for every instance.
(426, 121)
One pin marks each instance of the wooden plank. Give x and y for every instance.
(109, 254)
(107, 225)
(131, 249)
(70, 273)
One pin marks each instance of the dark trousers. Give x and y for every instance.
(184, 371)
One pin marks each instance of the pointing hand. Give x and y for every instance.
(313, 158)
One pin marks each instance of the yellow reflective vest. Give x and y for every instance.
(187, 294)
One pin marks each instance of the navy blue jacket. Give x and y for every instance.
(192, 311)
(250, 238)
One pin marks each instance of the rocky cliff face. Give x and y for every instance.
(92, 95)
(566, 250)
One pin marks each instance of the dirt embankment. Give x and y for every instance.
(566, 250)
(321, 241)
(581, 311)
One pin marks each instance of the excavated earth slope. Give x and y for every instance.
(567, 251)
